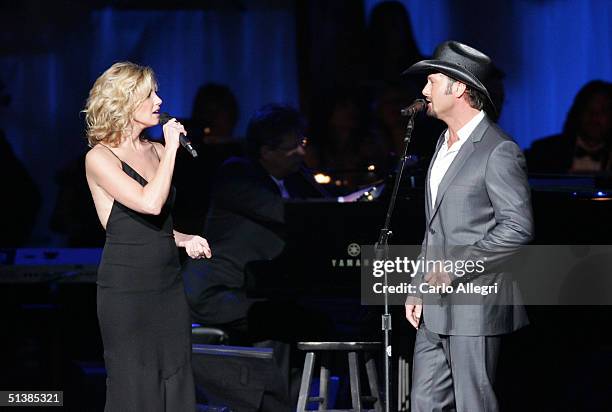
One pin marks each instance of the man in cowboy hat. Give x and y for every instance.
(478, 203)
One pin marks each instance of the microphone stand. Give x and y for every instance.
(382, 252)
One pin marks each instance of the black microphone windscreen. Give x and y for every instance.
(414, 108)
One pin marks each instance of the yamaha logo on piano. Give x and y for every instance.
(353, 250)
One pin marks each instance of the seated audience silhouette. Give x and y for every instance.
(584, 145)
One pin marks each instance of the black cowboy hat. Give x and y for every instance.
(461, 62)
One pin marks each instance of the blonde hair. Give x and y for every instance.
(113, 99)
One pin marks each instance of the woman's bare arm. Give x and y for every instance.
(105, 171)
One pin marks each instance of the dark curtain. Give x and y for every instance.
(53, 51)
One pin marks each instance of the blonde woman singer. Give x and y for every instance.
(143, 314)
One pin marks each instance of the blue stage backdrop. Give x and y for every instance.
(547, 48)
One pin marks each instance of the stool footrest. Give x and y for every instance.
(340, 346)
(346, 410)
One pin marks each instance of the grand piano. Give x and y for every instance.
(321, 255)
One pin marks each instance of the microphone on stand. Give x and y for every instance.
(163, 119)
(414, 108)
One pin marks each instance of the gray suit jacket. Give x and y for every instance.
(482, 211)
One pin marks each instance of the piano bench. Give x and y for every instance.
(235, 378)
(352, 348)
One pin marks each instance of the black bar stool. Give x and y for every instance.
(353, 348)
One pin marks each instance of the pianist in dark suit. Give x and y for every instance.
(477, 202)
(245, 224)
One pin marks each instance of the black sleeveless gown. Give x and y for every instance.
(143, 313)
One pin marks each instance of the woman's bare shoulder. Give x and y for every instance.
(100, 156)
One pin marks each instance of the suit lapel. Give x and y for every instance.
(464, 153)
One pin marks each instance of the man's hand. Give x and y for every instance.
(414, 308)
(438, 278)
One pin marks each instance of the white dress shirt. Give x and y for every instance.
(445, 156)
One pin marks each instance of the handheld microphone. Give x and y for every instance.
(163, 119)
(414, 108)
